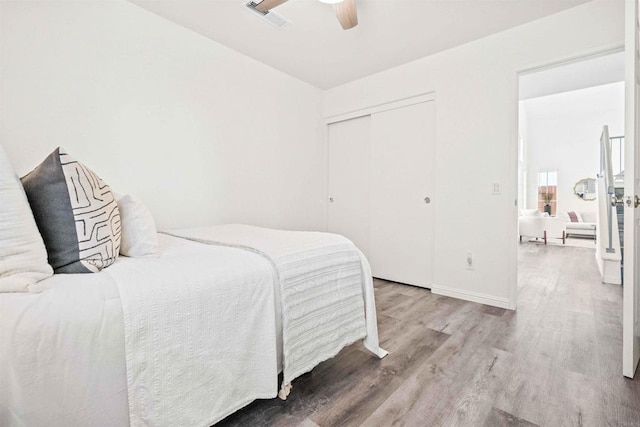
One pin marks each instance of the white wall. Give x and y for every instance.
(201, 133)
(563, 133)
(476, 88)
(523, 127)
(205, 135)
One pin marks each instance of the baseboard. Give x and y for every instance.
(471, 296)
(611, 273)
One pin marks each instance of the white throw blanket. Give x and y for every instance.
(200, 335)
(325, 289)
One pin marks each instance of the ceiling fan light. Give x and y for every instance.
(331, 1)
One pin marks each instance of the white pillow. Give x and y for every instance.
(23, 256)
(139, 234)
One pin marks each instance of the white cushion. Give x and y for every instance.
(531, 212)
(580, 226)
(139, 233)
(591, 217)
(23, 256)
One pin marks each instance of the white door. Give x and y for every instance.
(402, 181)
(631, 303)
(348, 187)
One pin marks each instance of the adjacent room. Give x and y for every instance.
(569, 272)
(319, 212)
(563, 113)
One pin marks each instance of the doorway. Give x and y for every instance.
(564, 110)
(562, 114)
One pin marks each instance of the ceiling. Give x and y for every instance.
(596, 71)
(315, 49)
(595, 100)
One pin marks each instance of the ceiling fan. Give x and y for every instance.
(345, 10)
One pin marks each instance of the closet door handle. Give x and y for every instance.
(330, 199)
(427, 200)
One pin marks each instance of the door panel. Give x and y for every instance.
(631, 304)
(401, 223)
(348, 189)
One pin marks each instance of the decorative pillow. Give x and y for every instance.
(23, 257)
(573, 216)
(139, 233)
(76, 213)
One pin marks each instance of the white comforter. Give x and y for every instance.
(62, 354)
(200, 341)
(325, 284)
(201, 333)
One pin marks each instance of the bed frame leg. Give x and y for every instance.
(284, 391)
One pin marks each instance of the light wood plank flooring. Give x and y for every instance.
(554, 362)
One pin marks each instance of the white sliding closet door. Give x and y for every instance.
(402, 182)
(349, 150)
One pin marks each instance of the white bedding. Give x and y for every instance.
(324, 282)
(62, 354)
(62, 351)
(200, 335)
(62, 358)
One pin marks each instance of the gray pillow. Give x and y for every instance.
(76, 214)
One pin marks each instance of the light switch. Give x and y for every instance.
(495, 188)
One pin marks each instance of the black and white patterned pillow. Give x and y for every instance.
(76, 214)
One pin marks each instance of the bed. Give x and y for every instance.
(145, 329)
(183, 339)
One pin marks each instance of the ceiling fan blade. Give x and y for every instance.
(267, 5)
(347, 13)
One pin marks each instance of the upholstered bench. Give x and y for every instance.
(582, 224)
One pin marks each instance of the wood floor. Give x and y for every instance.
(554, 362)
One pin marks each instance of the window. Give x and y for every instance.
(548, 191)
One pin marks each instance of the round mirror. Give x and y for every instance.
(585, 189)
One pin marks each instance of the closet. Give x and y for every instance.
(380, 187)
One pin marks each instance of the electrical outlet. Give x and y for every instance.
(470, 261)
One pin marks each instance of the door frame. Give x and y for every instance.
(385, 106)
(630, 342)
(515, 149)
